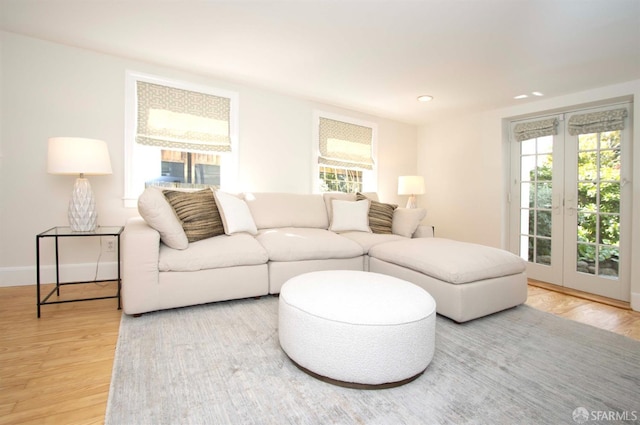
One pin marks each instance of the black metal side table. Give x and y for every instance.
(66, 232)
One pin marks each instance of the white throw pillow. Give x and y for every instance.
(406, 220)
(235, 214)
(350, 216)
(158, 213)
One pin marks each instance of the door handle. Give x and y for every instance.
(556, 207)
(570, 208)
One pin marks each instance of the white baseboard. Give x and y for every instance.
(20, 276)
(635, 301)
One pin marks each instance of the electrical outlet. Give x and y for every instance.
(111, 245)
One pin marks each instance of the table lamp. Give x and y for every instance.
(80, 156)
(412, 186)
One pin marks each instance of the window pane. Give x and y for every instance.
(526, 197)
(587, 227)
(545, 144)
(543, 251)
(188, 170)
(544, 168)
(609, 229)
(587, 196)
(587, 166)
(586, 258)
(340, 180)
(543, 195)
(587, 141)
(528, 147)
(610, 165)
(528, 166)
(544, 223)
(608, 259)
(610, 140)
(526, 248)
(610, 197)
(526, 221)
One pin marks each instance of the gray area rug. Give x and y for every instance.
(222, 364)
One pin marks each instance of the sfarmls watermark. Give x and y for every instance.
(581, 415)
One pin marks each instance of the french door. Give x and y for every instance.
(570, 210)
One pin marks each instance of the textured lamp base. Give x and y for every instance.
(411, 202)
(82, 207)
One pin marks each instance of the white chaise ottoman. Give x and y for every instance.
(466, 280)
(356, 328)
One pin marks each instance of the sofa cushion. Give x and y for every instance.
(274, 210)
(297, 244)
(380, 215)
(235, 214)
(220, 251)
(158, 213)
(366, 240)
(448, 260)
(406, 220)
(198, 213)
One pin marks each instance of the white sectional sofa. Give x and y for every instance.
(269, 238)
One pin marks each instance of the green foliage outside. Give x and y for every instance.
(598, 186)
(340, 180)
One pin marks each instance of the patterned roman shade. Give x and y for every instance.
(173, 118)
(596, 122)
(533, 129)
(345, 145)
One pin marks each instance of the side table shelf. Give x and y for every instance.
(65, 232)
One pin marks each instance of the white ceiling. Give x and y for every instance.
(372, 56)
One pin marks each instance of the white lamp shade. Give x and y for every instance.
(410, 185)
(77, 155)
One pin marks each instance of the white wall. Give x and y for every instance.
(48, 89)
(465, 164)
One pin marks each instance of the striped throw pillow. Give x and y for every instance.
(380, 215)
(197, 212)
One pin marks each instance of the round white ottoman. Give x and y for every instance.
(357, 329)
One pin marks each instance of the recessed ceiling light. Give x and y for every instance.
(537, 93)
(425, 98)
(521, 96)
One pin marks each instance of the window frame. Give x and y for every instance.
(134, 153)
(369, 177)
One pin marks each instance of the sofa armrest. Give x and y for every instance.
(424, 232)
(140, 255)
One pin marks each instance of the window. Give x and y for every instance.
(178, 135)
(345, 154)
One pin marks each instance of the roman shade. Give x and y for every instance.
(345, 145)
(532, 129)
(174, 118)
(596, 122)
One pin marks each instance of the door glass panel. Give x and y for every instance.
(598, 189)
(610, 197)
(528, 147)
(610, 140)
(587, 196)
(543, 195)
(536, 165)
(543, 225)
(543, 251)
(608, 261)
(586, 258)
(587, 166)
(526, 248)
(587, 227)
(526, 200)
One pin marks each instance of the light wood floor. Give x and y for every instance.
(57, 369)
